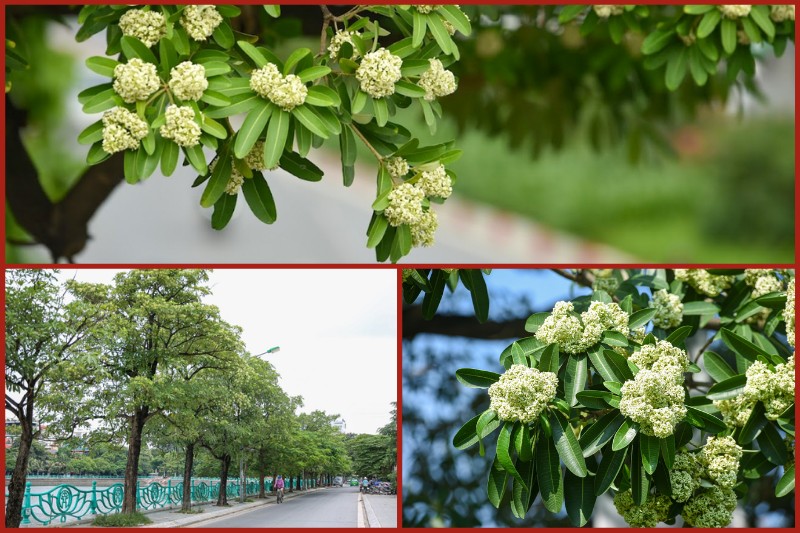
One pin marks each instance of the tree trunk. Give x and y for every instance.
(225, 463)
(187, 478)
(261, 488)
(16, 487)
(132, 465)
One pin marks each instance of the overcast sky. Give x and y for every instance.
(336, 330)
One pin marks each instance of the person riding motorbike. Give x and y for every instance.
(279, 485)
(364, 484)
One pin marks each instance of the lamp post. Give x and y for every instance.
(242, 481)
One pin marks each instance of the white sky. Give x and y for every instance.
(336, 328)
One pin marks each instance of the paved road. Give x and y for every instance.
(336, 507)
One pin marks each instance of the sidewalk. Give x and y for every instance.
(380, 510)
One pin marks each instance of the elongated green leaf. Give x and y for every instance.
(703, 420)
(277, 133)
(430, 303)
(594, 399)
(457, 18)
(760, 15)
(650, 447)
(700, 308)
(216, 68)
(467, 436)
(441, 35)
(707, 24)
(606, 367)
(609, 467)
(320, 95)
(487, 423)
(755, 423)
(313, 73)
(102, 65)
(657, 41)
(620, 366)
(223, 35)
(311, 120)
(535, 321)
(786, 483)
(133, 47)
(575, 377)
(518, 355)
(548, 474)
(241, 103)
(92, 134)
(730, 388)
(729, 37)
(219, 179)
(522, 498)
(549, 360)
(625, 434)
(771, 444)
(169, 158)
(252, 128)
(294, 58)
(477, 379)
(639, 482)
(567, 446)
(102, 101)
(667, 446)
(418, 29)
(614, 338)
(641, 317)
(300, 167)
(579, 498)
(473, 278)
(377, 229)
(259, 198)
(253, 53)
(496, 484)
(522, 443)
(716, 367)
(504, 452)
(741, 346)
(223, 211)
(679, 335)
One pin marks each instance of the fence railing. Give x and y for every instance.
(67, 502)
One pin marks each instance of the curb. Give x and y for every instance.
(360, 504)
(372, 518)
(227, 513)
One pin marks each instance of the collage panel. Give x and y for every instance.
(635, 397)
(225, 398)
(430, 134)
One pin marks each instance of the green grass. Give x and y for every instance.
(122, 520)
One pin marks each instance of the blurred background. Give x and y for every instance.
(573, 152)
(446, 487)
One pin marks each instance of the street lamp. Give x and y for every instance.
(242, 481)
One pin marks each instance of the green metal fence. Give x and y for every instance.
(67, 502)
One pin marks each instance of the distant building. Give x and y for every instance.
(339, 424)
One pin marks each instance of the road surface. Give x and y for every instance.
(334, 507)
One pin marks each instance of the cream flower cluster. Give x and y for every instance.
(397, 167)
(669, 309)
(685, 476)
(286, 92)
(200, 21)
(655, 401)
(378, 72)
(522, 393)
(405, 205)
(735, 411)
(703, 282)
(423, 231)
(188, 81)
(135, 80)
(781, 13)
(575, 335)
(437, 81)
(763, 281)
(181, 126)
(654, 510)
(735, 11)
(604, 280)
(122, 130)
(425, 9)
(663, 358)
(789, 313)
(774, 388)
(338, 39)
(436, 182)
(606, 11)
(147, 26)
(235, 180)
(255, 158)
(720, 458)
(711, 508)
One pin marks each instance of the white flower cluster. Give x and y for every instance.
(255, 158)
(604, 280)
(436, 183)
(606, 11)
(711, 508)
(425, 9)
(200, 21)
(763, 281)
(720, 458)
(735, 11)
(181, 126)
(655, 401)
(522, 393)
(188, 81)
(575, 335)
(654, 510)
(135, 80)
(789, 313)
(338, 39)
(685, 476)
(781, 13)
(669, 309)
(122, 130)
(235, 180)
(437, 81)
(378, 72)
(397, 167)
(703, 282)
(774, 388)
(405, 205)
(662, 357)
(423, 231)
(147, 26)
(286, 92)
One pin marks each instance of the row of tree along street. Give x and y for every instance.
(142, 375)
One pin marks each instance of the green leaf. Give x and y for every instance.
(131, 167)
(294, 58)
(102, 65)
(92, 134)
(349, 151)
(377, 229)
(697, 9)
(729, 37)
(381, 110)
(419, 28)
(708, 23)
(457, 18)
(676, 68)
(412, 90)
(570, 12)
(277, 133)
(741, 346)
(216, 68)
(625, 434)
(477, 379)
(213, 128)
(223, 211)
(311, 120)
(640, 485)
(241, 103)
(786, 483)
(641, 317)
(466, 436)
(614, 338)
(548, 474)
(102, 101)
(703, 420)
(300, 167)
(522, 498)
(609, 467)
(608, 367)
(169, 158)
(197, 159)
(487, 423)
(730, 388)
(522, 443)
(535, 321)
(579, 498)
(442, 36)
(259, 198)
(273, 11)
(252, 127)
(496, 484)
(133, 47)
(567, 446)
(504, 452)
(430, 303)
(650, 447)
(320, 95)
(314, 73)
(716, 367)
(253, 53)
(760, 15)
(620, 366)
(473, 279)
(755, 423)
(700, 308)
(518, 355)
(575, 377)
(679, 335)
(219, 179)
(594, 399)
(668, 450)
(223, 35)
(656, 41)
(772, 446)
(549, 361)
